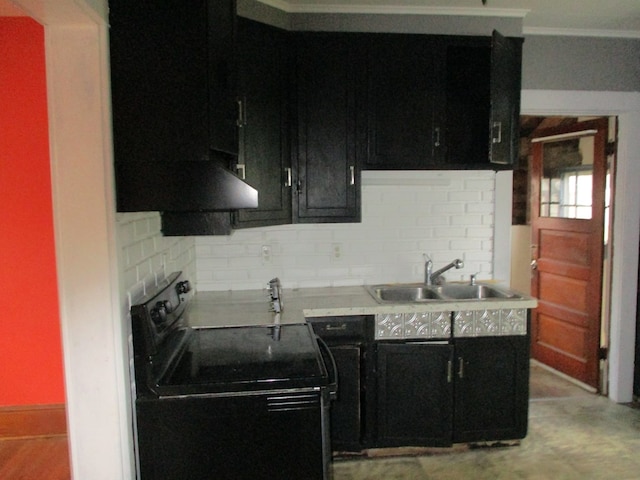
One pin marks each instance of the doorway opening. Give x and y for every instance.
(567, 336)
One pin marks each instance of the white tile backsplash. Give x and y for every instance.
(146, 257)
(447, 214)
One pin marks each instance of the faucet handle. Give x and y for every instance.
(472, 278)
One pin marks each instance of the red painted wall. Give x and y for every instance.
(31, 368)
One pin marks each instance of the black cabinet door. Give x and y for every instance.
(327, 176)
(264, 144)
(482, 97)
(414, 394)
(404, 89)
(174, 104)
(159, 80)
(491, 388)
(223, 76)
(346, 410)
(506, 59)
(467, 98)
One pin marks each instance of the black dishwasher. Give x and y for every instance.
(346, 338)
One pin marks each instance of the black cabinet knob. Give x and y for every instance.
(161, 310)
(183, 287)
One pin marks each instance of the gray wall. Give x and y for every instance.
(581, 63)
(548, 63)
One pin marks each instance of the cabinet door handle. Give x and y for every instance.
(352, 174)
(242, 171)
(496, 136)
(287, 173)
(340, 327)
(242, 112)
(460, 367)
(449, 371)
(436, 139)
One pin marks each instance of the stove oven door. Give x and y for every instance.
(258, 435)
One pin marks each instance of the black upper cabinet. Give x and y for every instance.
(482, 102)
(264, 160)
(506, 83)
(223, 77)
(403, 100)
(159, 80)
(174, 106)
(468, 103)
(443, 102)
(326, 138)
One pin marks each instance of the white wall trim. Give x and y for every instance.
(502, 227)
(580, 32)
(626, 225)
(95, 357)
(479, 11)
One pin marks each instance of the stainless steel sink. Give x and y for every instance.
(472, 292)
(403, 293)
(419, 293)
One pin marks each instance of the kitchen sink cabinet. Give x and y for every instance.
(264, 161)
(491, 388)
(439, 393)
(414, 392)
(326, 137)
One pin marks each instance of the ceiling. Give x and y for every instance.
(604, 18)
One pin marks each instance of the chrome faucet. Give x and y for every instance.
(428, 268)
(431, 278)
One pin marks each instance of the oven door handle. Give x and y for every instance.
(332, 369)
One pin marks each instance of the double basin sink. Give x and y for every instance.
(420, 293)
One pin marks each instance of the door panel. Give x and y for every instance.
(567, 217)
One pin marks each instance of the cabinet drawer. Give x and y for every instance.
(338, 328)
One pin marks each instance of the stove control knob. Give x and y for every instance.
(161, 310)
(183, 287)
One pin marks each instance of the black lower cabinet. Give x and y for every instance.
(436, 394)
(424, 393)
(414, 394)
(346, 411)
(491, 388)
(346, 337)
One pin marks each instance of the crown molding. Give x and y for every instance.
(397, 10)
(579, 32)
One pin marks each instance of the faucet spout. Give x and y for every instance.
(433, 277)
(428, 268)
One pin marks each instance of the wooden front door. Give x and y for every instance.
(568, 174)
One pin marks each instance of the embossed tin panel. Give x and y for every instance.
(490, 322)
(413, 325)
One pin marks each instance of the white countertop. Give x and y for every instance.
(251, 307)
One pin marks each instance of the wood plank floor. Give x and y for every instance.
(36, 458)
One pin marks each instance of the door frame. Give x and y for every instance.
(626, 236)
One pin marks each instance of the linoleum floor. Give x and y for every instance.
(573, 434)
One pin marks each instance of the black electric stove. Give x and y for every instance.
(227, 403)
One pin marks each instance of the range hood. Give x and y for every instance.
(182, 186)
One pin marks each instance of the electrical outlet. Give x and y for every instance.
(336, 251)
(266, 253)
